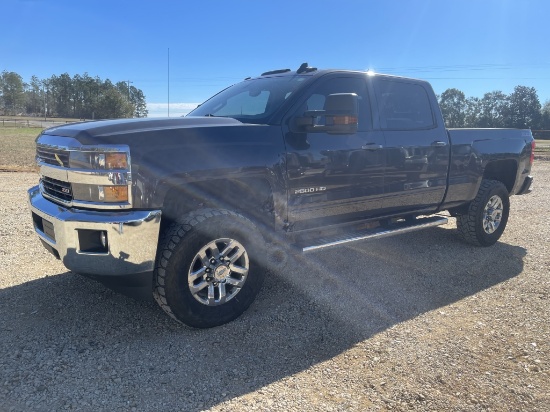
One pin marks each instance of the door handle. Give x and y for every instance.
(438, 143)
(371, 146)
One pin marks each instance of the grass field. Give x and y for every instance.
(17, 149)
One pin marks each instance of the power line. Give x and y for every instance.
(460, 67)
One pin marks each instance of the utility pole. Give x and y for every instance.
(44, 93)
(128, 81)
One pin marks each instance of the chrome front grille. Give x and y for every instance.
(52, 156)
(57, 189)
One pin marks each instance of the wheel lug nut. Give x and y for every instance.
(208, 270)
(213, 261)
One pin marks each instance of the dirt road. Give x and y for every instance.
(419, 321)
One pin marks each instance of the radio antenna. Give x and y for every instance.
(168, 81)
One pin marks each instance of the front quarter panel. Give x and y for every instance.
(164, 161)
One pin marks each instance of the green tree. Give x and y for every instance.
(545, 116)
(90, 87)
(13, 92)
(138, 101)
(494, 109)
(524, 108)
(81, 96)
(472, 112)
(34, 97)
(48, 98)
(135, 97)
(61, 88)
(453, 107)
(113, 105)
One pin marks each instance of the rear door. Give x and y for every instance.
(417, 147)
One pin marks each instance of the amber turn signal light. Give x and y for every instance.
(113, 194)
(341, 120)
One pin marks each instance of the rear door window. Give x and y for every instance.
(403, 106)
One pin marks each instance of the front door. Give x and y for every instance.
(333, 177)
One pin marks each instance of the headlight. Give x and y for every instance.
(95, 160)
(116, 161)
(107, 165)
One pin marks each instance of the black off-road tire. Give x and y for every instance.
(470, 224)
(178, 251)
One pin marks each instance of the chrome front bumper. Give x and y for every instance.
(132, 236)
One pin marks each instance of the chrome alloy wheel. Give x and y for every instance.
(218, 272)
(492, 214)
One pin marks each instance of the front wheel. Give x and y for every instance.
(206, 272)
(484, 221)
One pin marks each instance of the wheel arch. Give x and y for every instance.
(253, 197)
(504, 171)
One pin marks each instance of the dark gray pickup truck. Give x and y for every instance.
(191, 209)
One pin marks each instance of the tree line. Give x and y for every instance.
(86, 97)
(520, 109)
(80, 96)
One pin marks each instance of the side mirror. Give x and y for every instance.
(340, 116)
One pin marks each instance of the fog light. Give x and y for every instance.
(103, 238)
(92, 241)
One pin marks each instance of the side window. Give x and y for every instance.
(315, 99)
(403, 106)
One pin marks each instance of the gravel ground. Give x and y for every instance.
(419, 321)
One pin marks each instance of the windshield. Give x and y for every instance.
(251, 101)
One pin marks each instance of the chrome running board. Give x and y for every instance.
(379, 232)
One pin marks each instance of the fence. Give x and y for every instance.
(34, 122)
(541, 134)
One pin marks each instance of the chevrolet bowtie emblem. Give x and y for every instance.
(58, 159)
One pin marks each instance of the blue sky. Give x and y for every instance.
(477, 46)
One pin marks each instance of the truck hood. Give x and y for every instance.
(94, 131)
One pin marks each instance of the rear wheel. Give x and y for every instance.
(206, 271)
(484, 221)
